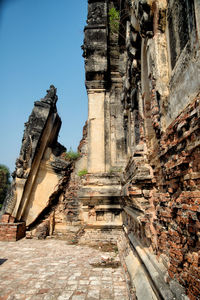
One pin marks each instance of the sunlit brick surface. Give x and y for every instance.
(52, 269)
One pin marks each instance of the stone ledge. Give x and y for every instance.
(88, 192)
(156, 275)
(103, 226)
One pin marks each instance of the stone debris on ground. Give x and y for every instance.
(52, 269)
(110, 260)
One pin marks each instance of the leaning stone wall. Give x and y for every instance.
(40, 166)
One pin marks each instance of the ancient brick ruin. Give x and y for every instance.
(140, 146)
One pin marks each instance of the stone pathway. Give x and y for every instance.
(52, 269)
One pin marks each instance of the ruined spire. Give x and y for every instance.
(51, 96)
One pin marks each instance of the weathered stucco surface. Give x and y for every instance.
(40, 165)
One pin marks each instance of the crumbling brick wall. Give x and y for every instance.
(161, 208)
(166, 214)
(177, 207)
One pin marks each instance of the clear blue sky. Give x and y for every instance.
(40, 44)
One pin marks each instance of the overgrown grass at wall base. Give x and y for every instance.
(82, 172)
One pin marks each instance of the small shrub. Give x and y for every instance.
(4, 183)
(72, 155)
(82, 172)
(114, 20)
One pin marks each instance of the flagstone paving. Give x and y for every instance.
(52, 269)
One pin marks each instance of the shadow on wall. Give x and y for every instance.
(2, 260)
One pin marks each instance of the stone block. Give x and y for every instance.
(12, 231)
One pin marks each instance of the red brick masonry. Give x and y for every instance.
(170, 222)
(12, 231)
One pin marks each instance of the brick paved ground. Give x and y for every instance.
(52, 269)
